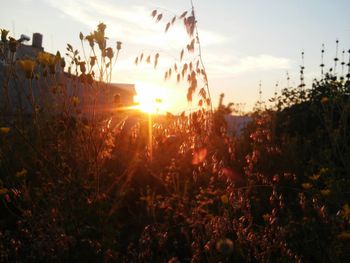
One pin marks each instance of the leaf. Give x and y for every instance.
(169, 73)
(189, 95)
(182, 54)
(141, 57)
(148, 60)
(173, 20)
(185, 67)
(159, 17)
(166, 75)
(136, 60)
(200, 103)
(192, 45)
(154, 13)
(167, 27)
(202, 93)
(175, 67)
(178, 78)
(156, 60)
(183, 14)
(69, 47)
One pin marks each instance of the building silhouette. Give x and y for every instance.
(47, 91)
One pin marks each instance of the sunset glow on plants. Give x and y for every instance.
(174, 131)
(152, 99)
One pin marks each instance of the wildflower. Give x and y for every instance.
(43, 58)
(224, 199)
(314, 177)
(52, 64)
(119, 45)
(324, 100)
(82, 67)
(344, 236)
(4, 130)
(27, 65)
(325, 192)
(90, 39)
(101, 27)
(21, 173)
(99, 37)
(307, 186)
(13, 44)
(225, 246)
(4, 34)
(92, 61)
(109, 53)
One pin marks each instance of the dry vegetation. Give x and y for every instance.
(76, 189)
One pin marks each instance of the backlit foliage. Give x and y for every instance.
(124, 189)
(189, 67)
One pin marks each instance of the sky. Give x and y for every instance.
(243, 42)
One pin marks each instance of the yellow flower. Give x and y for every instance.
(99, 37)
(21, 173)
(324, 100)
(4, 130)
(224, 199)
(101, 27)
(325, 192)
(4, 34)
(314, 177)
(43, 58)
(307, 186)
(47, 59)
(344, 236)
(3, 191)
(27, 65)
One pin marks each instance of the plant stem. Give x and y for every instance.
(200, 57)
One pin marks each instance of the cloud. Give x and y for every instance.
(132, 24)
(226, 67)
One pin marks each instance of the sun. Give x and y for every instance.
(151, 98)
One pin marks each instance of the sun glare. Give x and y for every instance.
(151, 99)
